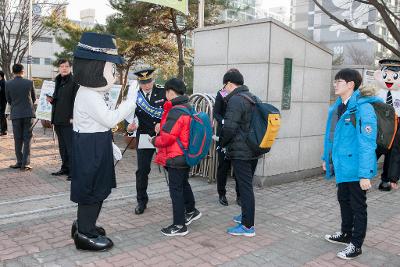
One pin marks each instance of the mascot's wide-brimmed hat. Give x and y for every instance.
(98, 46)
(392, 64)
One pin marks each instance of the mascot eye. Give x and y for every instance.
(395, 76)
(384, 75)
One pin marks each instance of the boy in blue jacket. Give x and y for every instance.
(349, 154)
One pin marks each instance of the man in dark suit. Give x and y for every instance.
(150, 101)
(20, 94)
(61, 114)
(3, 104)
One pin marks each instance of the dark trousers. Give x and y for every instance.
(64, 134)
(144, 158)
(181, 194)
(391, 165)
(22, 129)
(87, 217)
(3, 122)
(386, 165)
(244, 172)
(353, 209)
(224, 166)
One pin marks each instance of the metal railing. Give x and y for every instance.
(208, 166)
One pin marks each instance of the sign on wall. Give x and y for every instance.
(368, 77)
(287, 83)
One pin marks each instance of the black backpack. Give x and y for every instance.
(386, 124)
(264, 125)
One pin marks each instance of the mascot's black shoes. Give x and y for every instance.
(100, 243)
(100, 230)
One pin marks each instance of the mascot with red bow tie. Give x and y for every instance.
(388, 80)
(93, 174)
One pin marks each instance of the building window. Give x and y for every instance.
(45, 39)
(36, 60)
(47, 61)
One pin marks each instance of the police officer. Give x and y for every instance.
(150, 101)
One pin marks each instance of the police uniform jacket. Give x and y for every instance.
(146, 121)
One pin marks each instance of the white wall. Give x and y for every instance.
(258, 50)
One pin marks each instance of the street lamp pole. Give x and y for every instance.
(29, 60)
(201, 13)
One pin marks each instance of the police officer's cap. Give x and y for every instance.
(391, 64)
(145, 75)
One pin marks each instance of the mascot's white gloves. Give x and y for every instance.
(132, 95)
(116, 152)
(131, 99)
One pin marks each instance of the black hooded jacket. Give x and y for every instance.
(237, 124)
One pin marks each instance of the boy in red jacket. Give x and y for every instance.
(174, 125)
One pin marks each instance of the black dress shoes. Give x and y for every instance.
(140, 209)
(60, 172)
(223, 201)
(100, 230)
(385, 186)
(15, 166)
(99, 243)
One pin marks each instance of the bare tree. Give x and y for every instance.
(389, 16)
(14, 23)
(359, 56)
(338, 59)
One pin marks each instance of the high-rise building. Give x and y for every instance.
(353, 48)
(280, 13)
(45, 47)
(242, 10)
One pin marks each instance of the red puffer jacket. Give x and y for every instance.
(174, 124)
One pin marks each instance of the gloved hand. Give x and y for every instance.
(132, 95)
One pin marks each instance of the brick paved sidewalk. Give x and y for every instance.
(291, 220)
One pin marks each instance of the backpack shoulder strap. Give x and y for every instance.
(353, 118)
(248, 98)
(183, 109)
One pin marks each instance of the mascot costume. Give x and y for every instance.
(388, 80)
(93, 174)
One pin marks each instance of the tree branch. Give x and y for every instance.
(389, 10)
(366, 31)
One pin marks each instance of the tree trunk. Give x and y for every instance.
(178, 34)
(6, 68)
(181, 61)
